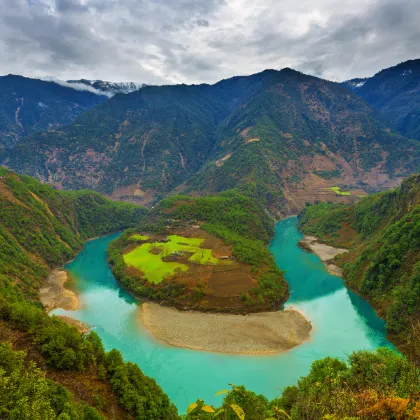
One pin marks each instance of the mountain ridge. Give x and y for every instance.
(395, 93)
(29, 105)
(282, 136)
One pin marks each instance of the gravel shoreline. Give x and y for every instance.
(260, 333)
(325, 252)
(53, 294)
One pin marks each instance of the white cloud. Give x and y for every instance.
(194, 41)
(79, 86)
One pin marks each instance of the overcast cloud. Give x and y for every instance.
(194, 41)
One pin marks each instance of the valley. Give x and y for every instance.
(277, 251)
(117, 317)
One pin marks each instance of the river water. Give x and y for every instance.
(342, 322)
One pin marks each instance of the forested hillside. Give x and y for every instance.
(53, 371)
(30, 105)
(383, 234)
(281, 136)
(395, 93)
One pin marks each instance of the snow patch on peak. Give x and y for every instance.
(406, 72)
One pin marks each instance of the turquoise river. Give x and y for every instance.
(342, 322)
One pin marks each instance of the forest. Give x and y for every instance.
(40, 229)
(382, 233)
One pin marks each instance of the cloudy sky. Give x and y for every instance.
(193, 41)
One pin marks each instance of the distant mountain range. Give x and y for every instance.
(281, 136)
(30, 105)
(109, 87)
(395, 93)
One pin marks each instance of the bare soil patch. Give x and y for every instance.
(230, 283)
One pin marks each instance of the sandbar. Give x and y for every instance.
(325, 252)
(259, 333)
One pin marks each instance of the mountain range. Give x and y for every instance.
(281, 136)
(109, 87)
(395, 93)
(30, 105)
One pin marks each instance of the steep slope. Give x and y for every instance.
(297, 137)
(383, 235)
(395, 93)
(41, 228)
(29, 105)
(142, 144)
(281, 136)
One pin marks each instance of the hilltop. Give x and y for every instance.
(31, 105)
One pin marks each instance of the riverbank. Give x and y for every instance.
(53, 294)
(326, 253)
(259, 333)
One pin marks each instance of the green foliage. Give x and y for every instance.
(323, 220)
(41, 228)
(329, 174)
(385, 266)
(25, 393)
(333, 389)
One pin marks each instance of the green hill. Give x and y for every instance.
(247, 281)
(383, 234)
(53, 371)
(281, 136)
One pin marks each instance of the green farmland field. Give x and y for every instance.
(151, 264)
(339, 192)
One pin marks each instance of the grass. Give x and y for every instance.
(155, 270)
(138, 237)
(338, 192)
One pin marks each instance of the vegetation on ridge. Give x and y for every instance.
(41, 228)
(372, 385)
(383, 234)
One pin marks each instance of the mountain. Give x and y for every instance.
(109, 87)
(30, 105)
(382, 233)
(395, 93)
(282, 136)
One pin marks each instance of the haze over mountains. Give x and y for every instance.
(282, 136)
